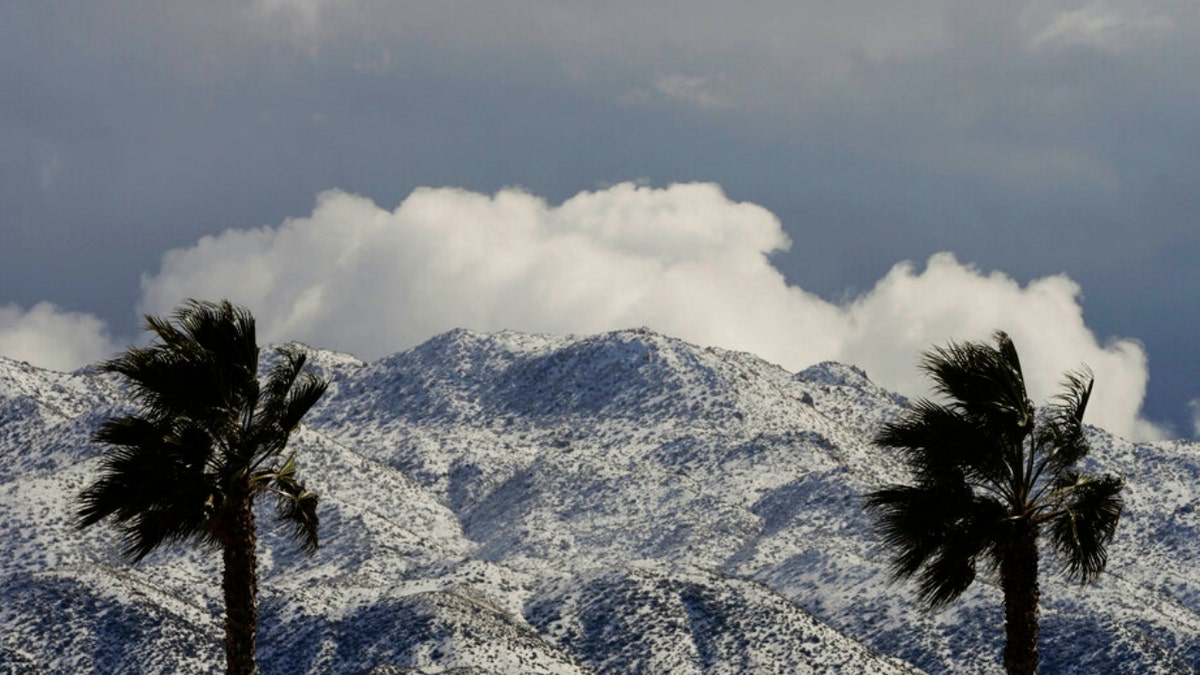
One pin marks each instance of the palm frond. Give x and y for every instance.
(295, 505)
(947, 574)
(937, 534)
(936, 441)
(131, 431)
(225, 333)
(154, 373)
(1078, 385)
(1060, 441)
(191, 350)
(153, 485)
(308, 390)
(224, 330)
(984, 382)
(208, 346)
(907, 520)
(280, 380)
(290, 391)
(1080, 529)
(287, 395)
(165, 522)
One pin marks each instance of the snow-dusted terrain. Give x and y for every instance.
(621, 503)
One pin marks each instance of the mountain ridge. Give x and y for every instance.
(535, 475)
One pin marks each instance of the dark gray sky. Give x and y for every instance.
(1031, 138)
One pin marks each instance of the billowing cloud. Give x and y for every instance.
(908, 311)
(49, 337)
(684, 260)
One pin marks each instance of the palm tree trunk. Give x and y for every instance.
(240, 583)
(1018, 577)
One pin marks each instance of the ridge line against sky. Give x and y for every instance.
(684, 260)
(1051, 140)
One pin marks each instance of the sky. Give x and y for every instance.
(857, 180)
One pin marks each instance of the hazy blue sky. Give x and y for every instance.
(1030, 139)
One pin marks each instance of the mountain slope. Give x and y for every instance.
(618, 503)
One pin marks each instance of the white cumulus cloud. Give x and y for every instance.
(684, 260)
(908, 311)
(49, 337)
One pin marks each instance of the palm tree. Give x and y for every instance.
(207, 439)
(989, 474)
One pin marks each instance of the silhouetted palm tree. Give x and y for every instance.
(206, 440)
(989, 473)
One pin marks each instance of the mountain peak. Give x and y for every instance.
(835, 373)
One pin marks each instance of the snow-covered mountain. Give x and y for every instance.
(530, 504)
